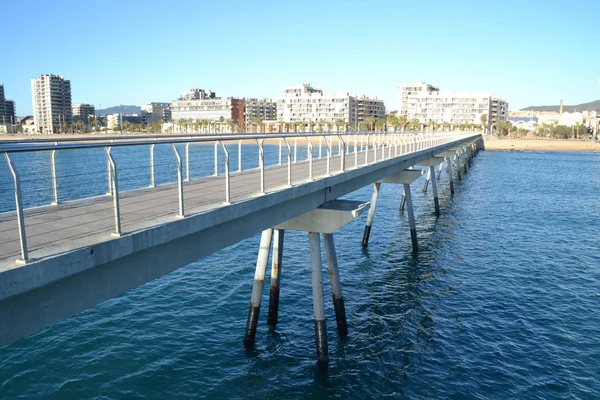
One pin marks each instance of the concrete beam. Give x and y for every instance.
(327, 218)
(431, 162)
(407, 176)
(446, 154)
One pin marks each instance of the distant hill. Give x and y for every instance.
(592, 105)
(119, 110)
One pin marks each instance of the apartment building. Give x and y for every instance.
(157, 111)
(263, 109)
(211, 109)
(51, 95)
(426, 103)
(7, 109)
(197, 94)
(304, 103)
(370, 107)
(83, 112)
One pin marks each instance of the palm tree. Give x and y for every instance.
(311, 126)
(392, 121)
(483, 119)
(414, 124)
(403, 122)
(370, 120)
(380, 125)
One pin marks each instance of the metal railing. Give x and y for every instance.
(367, 148)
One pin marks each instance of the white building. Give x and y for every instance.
(426, 103)
(51, 96)
(304, 103)
(113, 121)
(209, 110)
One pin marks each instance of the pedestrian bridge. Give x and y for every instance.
(64, 257)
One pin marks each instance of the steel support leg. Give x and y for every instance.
(257, 288)
(318, 298)
(411, 218)
(365, 241)
(275, 277)
(336, 286)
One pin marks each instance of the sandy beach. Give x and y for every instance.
(540, 145)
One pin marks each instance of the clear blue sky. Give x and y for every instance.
(130, 52)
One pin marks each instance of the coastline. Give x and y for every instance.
(540, 145)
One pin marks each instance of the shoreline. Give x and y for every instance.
(541, 145)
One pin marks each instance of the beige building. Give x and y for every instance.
(51, 95)
(209, 110)
(426, 103)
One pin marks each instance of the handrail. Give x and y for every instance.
(21, 148)
(370, 143)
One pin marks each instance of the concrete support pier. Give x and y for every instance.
(275, 277)
(436, 201)
(427, 181)
(257, 288)
(405, 178)
(318, 298)
(449, 156)
(411, 218)
(365, 241)
(431, 163)
(336, 286)
(326, 219)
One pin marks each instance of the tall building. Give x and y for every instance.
(51, 103)
(82, 112)
(426, 103)
(263, 109)
(7, 109)
(156, 111)
(304, 103)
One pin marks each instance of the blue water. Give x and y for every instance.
(501, 302)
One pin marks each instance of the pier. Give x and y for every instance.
(64, 257)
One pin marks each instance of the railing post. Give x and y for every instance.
(355, 152)
(240, 156)
(216, 159)
(342, 151)
(280, 144)
(152, 165)
(108, 180)
(187, 162)
(115, 192)
(261, 164)
(295, 150)
(289, 161)
(328, 155)
(227, 183)
(374, 148)
(180, 180)
(310, 160)
(19, 209)
(320, 147)
(367, 150)
(54, 186)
